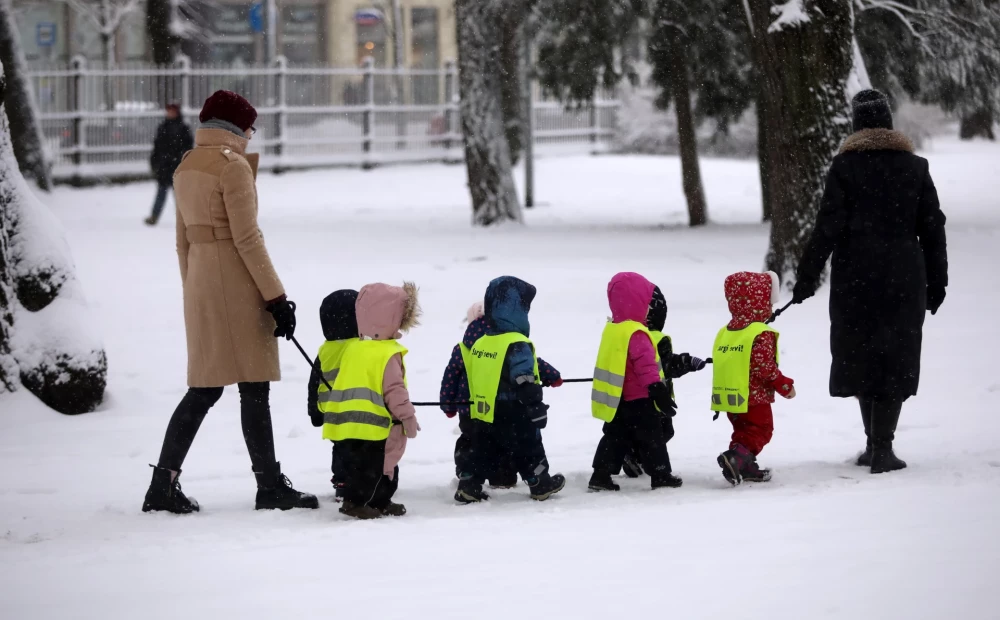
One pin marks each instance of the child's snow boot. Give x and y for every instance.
(732, 462)
(602, 482)
(165, 494)
(752, 472)
(666, 481)
(470, 492)
(631, 466)
(339, 490)
(274, 491)
(506, 479)
(545, 486)
(393, 509)
(360, 511)
(885, 416)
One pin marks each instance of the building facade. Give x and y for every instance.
(306, 32)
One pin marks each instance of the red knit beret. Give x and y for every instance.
(226, 105)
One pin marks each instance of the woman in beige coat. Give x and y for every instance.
(234, 305)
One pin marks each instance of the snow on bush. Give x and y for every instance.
(48, 341)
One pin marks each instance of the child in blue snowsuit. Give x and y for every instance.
(518, 410)
(455, 389)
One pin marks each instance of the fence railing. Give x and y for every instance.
(101, 121)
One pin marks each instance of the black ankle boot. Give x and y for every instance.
(274, 491)
(166, 495)
(885, 417)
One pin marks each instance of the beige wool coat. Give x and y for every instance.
(226, 272)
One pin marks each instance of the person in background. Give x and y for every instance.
(173, 139)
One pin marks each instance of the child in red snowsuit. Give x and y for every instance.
(751, 298)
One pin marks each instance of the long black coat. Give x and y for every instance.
(881, 220)
(173, 139)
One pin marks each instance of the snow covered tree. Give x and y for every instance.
(699, 48)
(26, 132)
(941, 52)
(804, 55)
(107, 16)
(487, 153)
(46, 344)
(514, 73)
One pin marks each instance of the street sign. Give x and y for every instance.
(45, 34)
(257, 17)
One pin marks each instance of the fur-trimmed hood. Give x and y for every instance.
(384, 311)
(877, 140)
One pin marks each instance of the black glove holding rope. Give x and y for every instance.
(283, 312)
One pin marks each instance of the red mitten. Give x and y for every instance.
(557, 382)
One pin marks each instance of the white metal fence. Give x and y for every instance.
(100, 122)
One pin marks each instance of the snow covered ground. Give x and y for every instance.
(823, 540)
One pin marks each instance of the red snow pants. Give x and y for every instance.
(752, 429)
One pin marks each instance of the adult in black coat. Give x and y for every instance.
(173, 139)
(881, 220)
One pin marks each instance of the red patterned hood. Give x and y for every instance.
(751, 297)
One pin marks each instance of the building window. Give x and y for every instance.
(424, 54)
(301, 33)
(232, 38)
(424, 38)
(372, 36)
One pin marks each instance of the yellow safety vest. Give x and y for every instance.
(330, 355)
(355, 409)
(731, 367)
(483, 367)
(609, 371)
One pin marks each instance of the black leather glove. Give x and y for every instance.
(283, 312)
(691, 363)
(316, 418)
(660, 394)
(539, 415)
(935, 297)
(804, 289)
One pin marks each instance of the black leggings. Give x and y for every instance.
(255, 415)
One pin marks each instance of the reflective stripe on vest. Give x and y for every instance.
(609, 371)
(483, 367)
(330, 355)
(731, 367)
(355, 408)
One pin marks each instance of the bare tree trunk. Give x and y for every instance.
(162, 43)
(26, 132)
(804, 65)
(487, 154)
(762, 159)
(513, 70)
(690, 170)
(8, 366)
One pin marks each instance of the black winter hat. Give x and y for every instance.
(656, 318)
(338, 316)
(870, 109)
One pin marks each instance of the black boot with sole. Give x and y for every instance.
(275, 491)
(885, 417)
(602, 482)
(166, 495)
